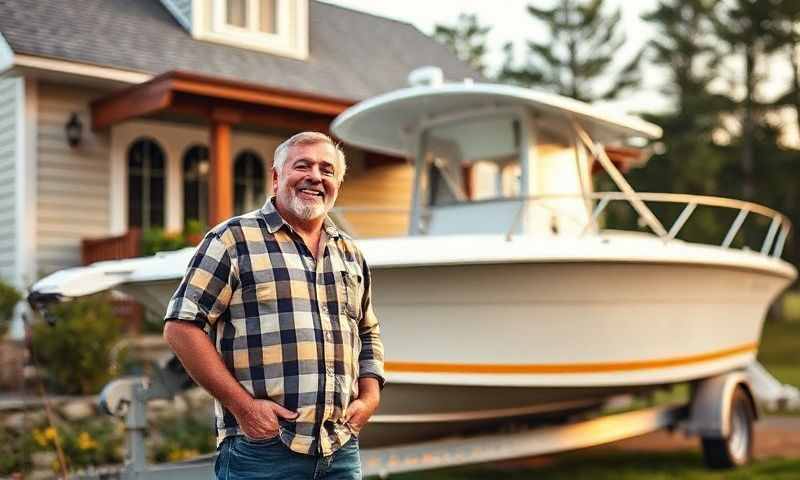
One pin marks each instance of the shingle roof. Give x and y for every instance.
(353, 55)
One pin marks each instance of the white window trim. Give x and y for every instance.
(290, 40)
(175, 140)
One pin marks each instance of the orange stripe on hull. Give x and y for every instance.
(421, 367)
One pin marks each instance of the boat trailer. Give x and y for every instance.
(721, 412)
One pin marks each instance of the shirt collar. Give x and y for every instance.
(275, 221)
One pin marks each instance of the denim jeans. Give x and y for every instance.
(243, 459)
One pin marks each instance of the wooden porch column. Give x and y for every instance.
(220, 181)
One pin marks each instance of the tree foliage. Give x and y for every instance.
(579, 56)
(467, 39)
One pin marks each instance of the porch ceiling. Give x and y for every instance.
(214, 99)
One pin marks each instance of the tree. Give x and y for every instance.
(684, 49)
(467, 39)
(744, 27)
(577, 57)
(690, 161)
(785, 37)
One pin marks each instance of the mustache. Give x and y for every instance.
(312, 185)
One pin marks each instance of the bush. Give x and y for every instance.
(15, 451)
(77, 350)
(182, 437)
(91, 442)
(156, 240)
(9, 297)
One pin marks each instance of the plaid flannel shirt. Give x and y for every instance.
(290, 329)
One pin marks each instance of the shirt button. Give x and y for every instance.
(324, 308)
(329, 336)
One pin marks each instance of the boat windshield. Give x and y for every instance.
(475, 159)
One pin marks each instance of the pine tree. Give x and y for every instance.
(684, 49)
(467, 39)
(690, 162)
(744, 28)
(578, 57)
(785, 37)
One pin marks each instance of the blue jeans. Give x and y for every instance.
(243, 459)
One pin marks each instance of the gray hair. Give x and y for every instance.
(308, 138)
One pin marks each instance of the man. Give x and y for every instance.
(293, 354)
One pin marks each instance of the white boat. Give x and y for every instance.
(508, 300)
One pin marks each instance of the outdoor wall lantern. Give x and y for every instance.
(74, 129)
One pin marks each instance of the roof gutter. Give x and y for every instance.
(9, 60)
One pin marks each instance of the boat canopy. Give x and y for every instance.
(388, 123)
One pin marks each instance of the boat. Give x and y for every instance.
(508, 300)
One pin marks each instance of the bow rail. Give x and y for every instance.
(772, 244)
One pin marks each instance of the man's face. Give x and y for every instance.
(307, 185)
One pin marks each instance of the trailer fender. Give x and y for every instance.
(709, 415)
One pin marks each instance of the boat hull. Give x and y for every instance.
(562, 324)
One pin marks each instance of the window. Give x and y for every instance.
(248, 182)
(275, 26)
(146, 184)
(251, 15)
(475, 159)
(195, 184)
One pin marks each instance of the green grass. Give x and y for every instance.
(619, 466)
(780, 346)
(786, 373)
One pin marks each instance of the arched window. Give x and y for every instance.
(146, 184)
(195, 184)
(248, 182)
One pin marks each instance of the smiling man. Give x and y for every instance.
(274, 318)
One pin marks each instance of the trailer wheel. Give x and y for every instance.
(737, 448)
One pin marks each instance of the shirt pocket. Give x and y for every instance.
(353, 294)
(266, 301)
(265, 292)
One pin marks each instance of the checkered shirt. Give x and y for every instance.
(290, 329)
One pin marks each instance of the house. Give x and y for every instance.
(119, 116)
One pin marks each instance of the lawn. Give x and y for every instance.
(780, 350)
(780, 354)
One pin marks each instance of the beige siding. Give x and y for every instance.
(73, 184)
(388, 186)
(9, 130)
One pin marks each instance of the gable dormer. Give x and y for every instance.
(279, 27)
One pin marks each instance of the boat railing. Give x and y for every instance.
(772, 244)
(597, 203)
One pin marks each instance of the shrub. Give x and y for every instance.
(92, 442)
(157, 240)
(9, 297)
(77, 350)
(182, 437)
(15, 451)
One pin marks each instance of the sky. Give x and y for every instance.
(510, 22)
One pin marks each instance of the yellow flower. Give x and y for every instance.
(86, 442)
(50, 433)
(179, 454)
(39, 438)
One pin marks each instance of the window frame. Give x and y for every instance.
(291, 28)
(146, 176)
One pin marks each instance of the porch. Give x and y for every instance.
(189, 151)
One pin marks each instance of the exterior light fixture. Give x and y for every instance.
(74, 130)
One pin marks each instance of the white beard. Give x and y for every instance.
(306, 210)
